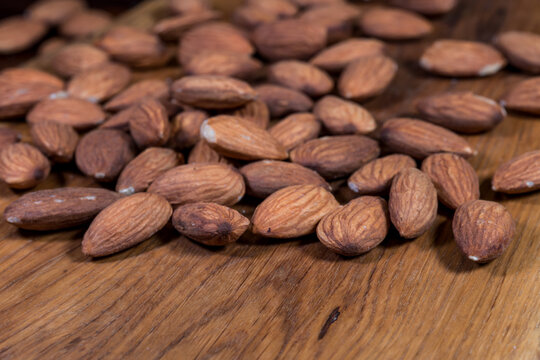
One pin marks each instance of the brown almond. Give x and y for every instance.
(59, 208)
(336, 57)
(310, 3)
(99, 84)
(207, 182)
(376, 176)
(138, 92)
(126, 223)
(77, 58)
(188, 6)
(78, 113)
(232, 64)
(237, 138)
(336, 156)
(57, 141)
(293, 211)
(338, 19)
(18, 34)
(210, 224)
(412, 203)
(22, 166)
(295, 129)
(355, 228)
(120, 120)
(8, 136)
(149, 124)
(483, 230)
(301, 76)
(366, 77)
(172, 28)
(343, 117)
(280, 8)
(420, 139)
(427, 7)
(85, 24)
(202, 153)
(187, 128)
(524, 96)
(54, 12)
(255, 111)
(521, 48)
(251, 16)
(519, 175)
(394, 24)
(51, 46)
(283, 101)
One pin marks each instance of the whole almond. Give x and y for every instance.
(461, 58)
(149, 124)
(366, 77)
(427, 7)
(210, 224)
(343, 117)
(524, 96)
(355, 228)
(394, 24)
(101, 83)
(232, 64)
(57, 141)
(85, 23)
(266, 177)
(376, 176)
(58, 208)
(103, 153)
(18, 34)
(203, 182)
(126, 223)
(185, 7)
(412, 203)
(519, 175)
(295, 129)
(309, 3)
(138, 92)
(283, 101)
(22, 166)
(454, 178)
(252, 16)
(202, 153)
(301, 76)
(237, 138)
(140, 172)
(172, 28)
(77, 58)
(420, 139)
(483, 230)
(461, 111)
(54, 12)
(293, 211)
(8, 136)
(187, 128)
(120, 120)
(51, 46)
(78, 113)
(280, 8)
(336, 156)
(336, 57)
(521, 48)
(338, 19)
(255, 111)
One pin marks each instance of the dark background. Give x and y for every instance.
(14, 7)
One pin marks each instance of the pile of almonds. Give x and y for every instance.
(269, 106)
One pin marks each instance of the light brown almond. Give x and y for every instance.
(336, 57)
(202, 153)
(338, 19)
(521, 48)
(232, 64)
(172, 28)
(255, 111)
(427, 7)
(518, 175)
(394, 24)
(18, 34)
(283, 101)
(343, 117)
(8, 136)
(85, 24)
(366, 77)
(149, 124)
(57, 141)
(310, 3)
(524, 96)
(51, 46)
(77, 58)
(280, 8)
(188, 6)
(187, 128)
(295, 129)
(301, 76)
(251, 16)
(54, 12)
(120, 120)
(22, 166)
(78, 113)
(99, 84)
(138, 92)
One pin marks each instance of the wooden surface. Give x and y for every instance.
(174, 299)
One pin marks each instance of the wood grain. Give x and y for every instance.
(172, 298)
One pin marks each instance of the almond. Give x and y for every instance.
(120, 120)
(54, 12)
(461, 58)
(295, 129)
(483, 230)
(255, 111)
(252, 16)
(77, 58)
(266, 177)
(149, 124)
(187, 128)
(57, 141)
(355, 228)
(461, 111)
(427, 7)
(301, 76)
(420, 139)
(309, 3)
(188, 6)
(22, 166)
(293, 211)
(343, 117)
(8, 136)
(524, 96)
(191, 183)
(202, 153)
(366, 77)
(338, 19)
(58, 208)
(172, 28)
(18, 34)
(210, 224)
(280, 8)
(412, 203)
(101, 83)
(78, 113)
(140, 172)
(521, 48)
(282, 101)
(376, 176)
(394, 24)
(336, 156)
(85, 24)
(519, 175)
(51, 46)
(126, 223)
(240, 139)
(336, 57)
(137, 93)
(103, 153)
(231, 64)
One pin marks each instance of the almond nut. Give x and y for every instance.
(78, 113)
(336, 57)
(138, 92)
(343, 117)
(57, 141)
(394, 24)
(283, 101)
(295, 129)
(521, 48)
(22, 166)
(519, 175)
(301, 76)
(99, 84)
(524, 96)
(149, 124)
(366, 77)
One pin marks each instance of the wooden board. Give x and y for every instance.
(174, 299)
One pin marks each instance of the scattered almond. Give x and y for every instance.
(343, 117)
(149, 124)
(521, 48)
(283, 101)
(394, 24)
(295, 129)
(172, 28)
(85, 24)
(301, 76)
(77, 58)
(186, 128)
(22, 166)
(120, 120)
(231, 64)
(54, 12)
(57, 141)
(18, 34)
(338, 19)
(427, 7)
(188, 6)
(366, 77)
(8, 136)
(101, 83)
(78, 113)
(255, 111)
(202, 153)
(519, 175)
(524, 96)
(138, 92)
(336, 57)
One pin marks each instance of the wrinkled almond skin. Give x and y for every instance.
(355, 228)
(461, 111)
(336, 57)
(187, 128)
(483, 230)
(149, 124)
(413, 203)
(366, 77)
(18, 34)
(22, 166)
(8, 136)
(172, 28)
(99, 84)
(53, 12)
(126, 223)
(77, 58)
(237, 138)
(343, 117)
(266, 177)
(78, 113)
(338, 19)
(460, 58)
(103, 153)
(420, 139)
(293, 211)
(336, 156)
(519, 175)
(524, 96)
(85, 24)
(205, 182)
(521, 48)
(295, 129)
(394, 24)
(282, 101)
(119, 121)
(137, 93)
(301, 76)
(376, 176)
(256, 111)
(454, 178)
(202, 153)
(232, 64)
(427, 7)
(210, 224)
(57, 141)
(59, 208)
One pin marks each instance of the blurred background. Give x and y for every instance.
(10, 7)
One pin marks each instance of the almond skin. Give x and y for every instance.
(266, 177)
(126, 223)
(454, 178)
(78, 113)
(483, 230)
(85, 24)
(295, 129)
(232, 64)
(427, 7)
(366, 77)
(282, 101)
(420, 139)
(53, 12)
(22, 166)
(185, 7)
(355, 228)
(187, 128)
(57, 141)
(58, 208)
(119, 121)
(256, 111)
(376, 176)
(524, 96)
(338, 19)
(18, 34)
(202, 153)
(172, 28)
(237, 138)
(394, 24)
(191, 183)
(343, 117)
(336, 57)
(210, 224)
(301, 76)
(101, 83)
(461, 111)
(8, 136)
(412, 203)
(138, 92)
(149, 124)
(521, 48)
(519, 175)
(140, 172)
(77, 58)
(336, 156)
(293, 211)
(251, 16)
